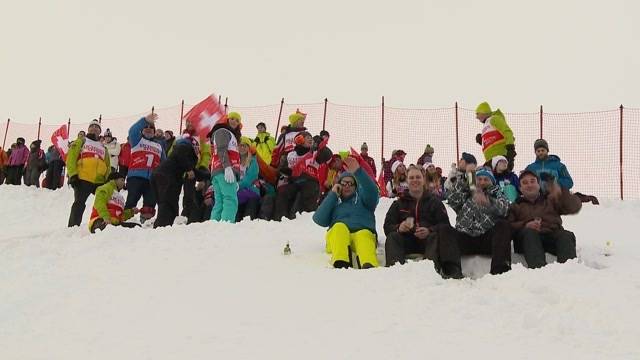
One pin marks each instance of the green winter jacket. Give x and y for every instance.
(496, 135)
(91, 169)
(100, 204)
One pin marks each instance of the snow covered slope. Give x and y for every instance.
(208, 291)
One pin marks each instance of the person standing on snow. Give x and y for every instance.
(113, 147)
(88, 166)
(146, 155)
(17, 160)
(167, 178)
(426, 157)
(108, 206)
(348, 211)
(36, 164)
(496, 137)
(265, 143)
(364, 152)
(225, 167)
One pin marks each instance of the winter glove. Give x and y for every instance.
(511, 151)
(114, 221)
(479, 139)
(229, 176)
(74, 181)
(256, 140)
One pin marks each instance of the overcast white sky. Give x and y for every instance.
(79, 58)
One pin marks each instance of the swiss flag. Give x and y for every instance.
(60, 139)
(204, 115)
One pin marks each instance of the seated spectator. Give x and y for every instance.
(433, 179)
(349, 213)
(467, 163)
(412, 225)
(536, 222)
(248, 193)
(549, 165)
(386, 165)
(398, 183)
(4, 161)
(427, 156)
(108, 206)
(481, 227)
(507, 180)
(301, 166)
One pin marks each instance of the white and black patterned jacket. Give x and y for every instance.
(473, 219)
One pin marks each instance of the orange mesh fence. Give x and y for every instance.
(350, 126)
(412, 129)
(588, 143)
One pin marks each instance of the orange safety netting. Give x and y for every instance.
(588, 143)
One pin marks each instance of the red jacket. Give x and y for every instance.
(125, 154)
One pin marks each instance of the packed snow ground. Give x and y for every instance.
(207, 291)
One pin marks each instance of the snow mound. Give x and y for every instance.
(215, 290)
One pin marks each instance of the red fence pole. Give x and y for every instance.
(153, 109)
(100, 119)
(219, 99)
(39, 126)
(541, 121)
(69, 128)
(277, 131)
(457, 136)
(382, 137)
(225, 104)
(4, 141)
(181, 115)
(621, 173)
(324, 116)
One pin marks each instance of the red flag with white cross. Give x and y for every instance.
(60, 139)
(204, 115)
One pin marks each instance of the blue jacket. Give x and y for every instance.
(135, 135)
(250, 176)
(357, 211)
(553, 166)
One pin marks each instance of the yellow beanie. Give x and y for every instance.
(483, 108)
(295, 117)
(234, 115)
(245, 140)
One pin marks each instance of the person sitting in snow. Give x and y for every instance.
(108, 206)
(348, 211)
(426, 157)
(507, 180)
(536, 222)
(433, 181)
(481, 225)
(248, 192)
(467, 163)
(549, 166)
(412, 225)
(301, 166)
(398, 183)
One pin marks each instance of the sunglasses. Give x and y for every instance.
(347, 183)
